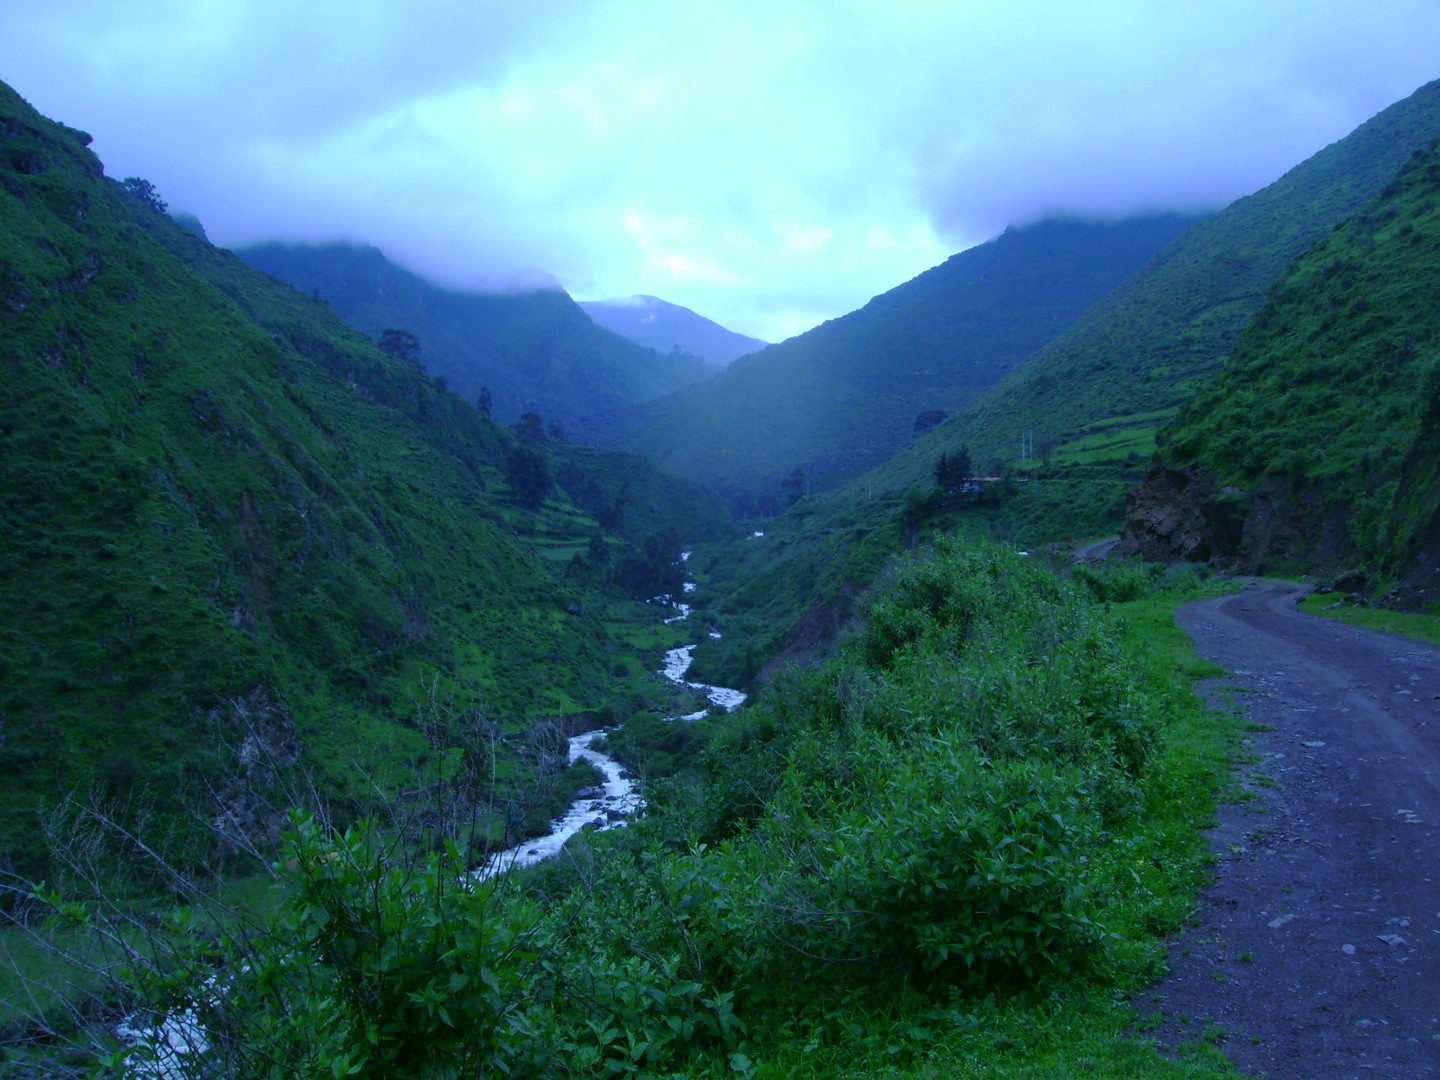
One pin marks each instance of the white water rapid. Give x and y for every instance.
(602, 808)
(608, 808)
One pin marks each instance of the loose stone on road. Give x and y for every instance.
(1316, 952)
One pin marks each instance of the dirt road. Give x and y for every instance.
(1317, 950)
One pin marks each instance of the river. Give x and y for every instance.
(609, 806)
(179, 1037)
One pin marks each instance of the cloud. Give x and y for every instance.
(767, 164)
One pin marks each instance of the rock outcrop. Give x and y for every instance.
(1184, 514)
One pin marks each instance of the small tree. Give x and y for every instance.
(527, 475)
(951, 471)
(1430, 392)
(927, 420)
(483, 402)
(401, 345)
(795, 486)
(145, 191)
(530, 427)
(1048, 446)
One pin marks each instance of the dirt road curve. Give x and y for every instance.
(1317, 951)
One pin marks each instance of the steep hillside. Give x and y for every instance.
(1147, 347)
(237, 533)
(846, 395)
(1302, 451)
(663, 326)
(798, 583)
(535, 352)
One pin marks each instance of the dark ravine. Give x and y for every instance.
(1314, 951)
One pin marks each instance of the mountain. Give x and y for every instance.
(1315, 448)
(1144, 350)
(242, 541)
(665, 327)
(844, 396)
(1096, 395)
(534, 351)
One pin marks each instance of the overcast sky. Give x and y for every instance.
(769, 164)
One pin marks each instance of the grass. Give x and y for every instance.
(1078, 1027)
(1073, 1037)
(42, 973)
(1328, 396)
(1405, 624)
(1114, 440)
(844, 396)
(226, 512)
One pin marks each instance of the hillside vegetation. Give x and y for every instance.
(241, 539)
(1093, 430)
(1148, 346)
(534, 351)
(1312, 426)
(953, 847)
(844, 396)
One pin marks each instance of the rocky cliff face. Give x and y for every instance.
(1181, 514)
(1184, 513)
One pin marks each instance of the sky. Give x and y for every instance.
(768, 164)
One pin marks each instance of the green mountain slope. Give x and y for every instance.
(1148, 346)
(800, 582)
(1302, 451)
(535, 351)
(844, 396)
(231, 521)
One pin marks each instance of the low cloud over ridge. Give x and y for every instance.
(768, 165)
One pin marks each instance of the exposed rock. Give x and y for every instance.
(815, 634)
(1185, 514)
(1355, 581)
(1181, 514)
(250, 800)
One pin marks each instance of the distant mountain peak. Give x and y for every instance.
(661, 325)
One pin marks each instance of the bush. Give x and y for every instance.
(369, 965)
(922, 808)
(1116, 581)
(934, 810)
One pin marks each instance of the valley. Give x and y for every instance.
(349, 616)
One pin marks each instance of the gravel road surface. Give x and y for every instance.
(1316, 952)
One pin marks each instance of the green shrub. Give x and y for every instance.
(1115, 581)
(371, 965)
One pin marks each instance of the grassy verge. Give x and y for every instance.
(1406, 624)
